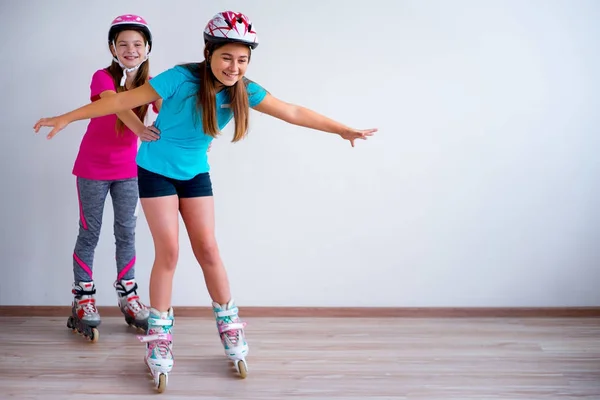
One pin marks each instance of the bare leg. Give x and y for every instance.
(163, 220)
(198, 214)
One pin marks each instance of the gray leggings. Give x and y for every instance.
(92, 195)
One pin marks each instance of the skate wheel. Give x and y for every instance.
(162, 383)
(95, 335)
(242, 368)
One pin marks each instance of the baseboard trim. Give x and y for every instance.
(337, 312)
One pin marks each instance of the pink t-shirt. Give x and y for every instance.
(103, 154)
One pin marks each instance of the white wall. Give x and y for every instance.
(484, 170)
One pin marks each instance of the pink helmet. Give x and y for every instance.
(230, 27)
(129, 22)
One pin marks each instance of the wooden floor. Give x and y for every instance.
(312, 358)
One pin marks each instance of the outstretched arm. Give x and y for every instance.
(117, 103)
(133, 122)
(129, 118)
(307, 118)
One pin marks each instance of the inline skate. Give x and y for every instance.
(159, 347)
(134, 311)
(231, 332)
(84, 318)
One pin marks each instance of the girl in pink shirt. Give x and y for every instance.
(106, 164)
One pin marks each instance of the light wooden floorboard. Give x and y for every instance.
(313, 358)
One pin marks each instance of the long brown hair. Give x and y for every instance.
(143, 73)
(207, 90)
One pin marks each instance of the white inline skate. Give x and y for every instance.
(231, 332)
(84, 318)
(135, 312)
(159, 347)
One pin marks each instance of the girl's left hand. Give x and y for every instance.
(353, 134)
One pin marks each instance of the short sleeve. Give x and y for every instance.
(256, 93)
(101, 82)
(167, 82)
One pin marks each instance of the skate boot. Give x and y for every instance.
(135, 312)
(159, 347)
(231, 332)
(84, 318)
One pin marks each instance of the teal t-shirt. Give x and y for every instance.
(181, 151)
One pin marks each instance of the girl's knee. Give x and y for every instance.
(207, 252)
(88, 237)
(124, 234)
(167, 256)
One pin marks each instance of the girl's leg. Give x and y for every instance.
(92, 195)
(124, 195)
(163, 220)
(197, 211)
(199, 218)
(161, 209)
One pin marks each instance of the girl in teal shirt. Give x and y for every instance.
(198, 100)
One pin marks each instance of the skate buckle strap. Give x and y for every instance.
(227, 313)
(155, 337)
(231, 327)
(159, 322)
(78, 292)
(128, 292)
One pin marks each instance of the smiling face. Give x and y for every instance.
(130, 47)
(228, 63)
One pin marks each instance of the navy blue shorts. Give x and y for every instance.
(156, 185)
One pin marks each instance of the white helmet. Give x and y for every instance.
(230, 27)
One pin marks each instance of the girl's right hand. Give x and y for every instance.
(149, 134)
(58, 123)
